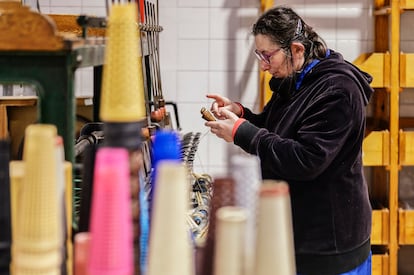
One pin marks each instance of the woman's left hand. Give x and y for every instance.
(223, 128)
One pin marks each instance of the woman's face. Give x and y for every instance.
(274, 59)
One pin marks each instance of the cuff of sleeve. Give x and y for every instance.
(241, 108)
(236, 126)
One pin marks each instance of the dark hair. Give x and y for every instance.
(284, 26)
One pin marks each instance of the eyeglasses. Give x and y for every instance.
(265, 57)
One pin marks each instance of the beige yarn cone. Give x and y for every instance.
(275, 253)
(38, 240)
(170, 249)
(230, 241)
(122, 98)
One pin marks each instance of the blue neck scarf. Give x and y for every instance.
(307, 69)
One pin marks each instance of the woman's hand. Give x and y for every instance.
(223, 128)
(223, 103)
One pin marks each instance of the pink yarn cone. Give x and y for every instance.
(111, 244)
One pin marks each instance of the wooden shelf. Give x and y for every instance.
(406, 226)
(407, 4)
(407, 70)
(380, 227)
(376, 149)
(392, 72)
(377, 65)
(406, 149)
(380, 264)
(16, 112)
(403, 5)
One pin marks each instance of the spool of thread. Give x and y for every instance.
(65, 205)
(245, 169)
(223, 195)
(230, 241)
(122, 98)
(69, 215)
(81, 253)
(275, 252)
(122, 106)
(16, 185)
(170, 245)
(111, 245)
(166, 146)
(38, 240)
(144, 223)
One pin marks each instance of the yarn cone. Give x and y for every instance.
(111, 244)
(169, 245)
(38, 240)
(122, 98)
(275, 253)
(81, 253)
(166, 146)
(245, 169)
(230, 241)
(223, 195)
(16, 185)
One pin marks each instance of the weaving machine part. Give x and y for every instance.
(201, 189)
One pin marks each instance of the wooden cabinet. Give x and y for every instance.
(388, 146)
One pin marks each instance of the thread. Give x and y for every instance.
(275, 252)
(245, 169)
(16, 184)
(122, 106)
(170, 245)
(111, 245)
(65, 206)
(38, 240)
(230, 242)
(81, 253)
(223, 195)
(166, 146)
(122, 80)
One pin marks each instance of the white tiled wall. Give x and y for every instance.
(206, 47)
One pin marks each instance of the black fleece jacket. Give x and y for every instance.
(312, 139)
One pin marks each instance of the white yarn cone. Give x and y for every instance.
(245, 170)
(275, 253)
(169, 245)
(230, 241)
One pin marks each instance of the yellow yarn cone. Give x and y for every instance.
(122, 98)
(38, 240)
(16, 186)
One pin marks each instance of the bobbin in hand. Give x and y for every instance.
(207, 115)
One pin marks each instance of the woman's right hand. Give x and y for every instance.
(221, 102)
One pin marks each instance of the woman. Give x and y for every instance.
(309, 134)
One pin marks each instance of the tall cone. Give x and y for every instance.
(230, 241)
(122, 107)
(38, 239)
(245, 169)
(122, 98)
(16, 185)
(170, 250)
(275, 252)
(111, 246)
